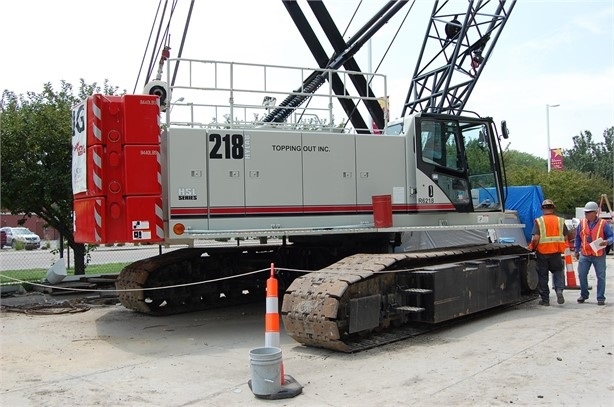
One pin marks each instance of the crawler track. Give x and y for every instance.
(192, 279)
(364, 301)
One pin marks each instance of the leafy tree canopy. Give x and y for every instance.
(590, 156)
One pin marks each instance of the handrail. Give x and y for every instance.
(210, 93)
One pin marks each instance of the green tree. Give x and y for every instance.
(518, 161)
(530, 176)
(570, 189)
(36, 153)
(592, 157)
(524, 168)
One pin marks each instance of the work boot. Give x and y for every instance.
(544, 303)
(559, 297)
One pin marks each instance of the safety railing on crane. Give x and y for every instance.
(218, 94)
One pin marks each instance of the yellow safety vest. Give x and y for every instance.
(551, 238)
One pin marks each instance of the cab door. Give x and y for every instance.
(442, 176)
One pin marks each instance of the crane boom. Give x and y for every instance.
(454, 54)
(343, 56)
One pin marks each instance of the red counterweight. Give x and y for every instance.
(116, 170)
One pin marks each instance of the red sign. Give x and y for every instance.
(556, 159)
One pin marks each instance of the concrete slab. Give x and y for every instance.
(25, 299)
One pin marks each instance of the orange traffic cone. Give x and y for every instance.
(271, 322)
(271, 328)
(570, 273)
(289, 386)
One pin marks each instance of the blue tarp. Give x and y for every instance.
(525, 200)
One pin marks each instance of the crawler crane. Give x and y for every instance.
(313, 195)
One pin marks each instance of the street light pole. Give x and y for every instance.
(548, 132)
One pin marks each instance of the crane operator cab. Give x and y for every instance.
(456, 160)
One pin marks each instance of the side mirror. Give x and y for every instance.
(504, 130)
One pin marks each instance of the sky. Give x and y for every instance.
(551, 52)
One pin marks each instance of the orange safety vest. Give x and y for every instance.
(593, 234)
(551, 239)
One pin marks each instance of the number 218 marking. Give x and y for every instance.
(226, 147)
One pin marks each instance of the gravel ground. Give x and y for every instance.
(525, 355)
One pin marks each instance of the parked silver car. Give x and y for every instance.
(29, 239)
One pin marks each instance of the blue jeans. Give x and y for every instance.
(553, 263)
(584, 264)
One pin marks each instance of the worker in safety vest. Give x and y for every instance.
(549, 242)
(592, 237)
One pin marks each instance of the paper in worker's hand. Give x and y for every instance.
(596, 244)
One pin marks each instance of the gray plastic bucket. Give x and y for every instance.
(265, 369)
(57, 272)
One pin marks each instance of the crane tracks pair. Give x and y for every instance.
(359, 302)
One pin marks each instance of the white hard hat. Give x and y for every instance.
(591, 207)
